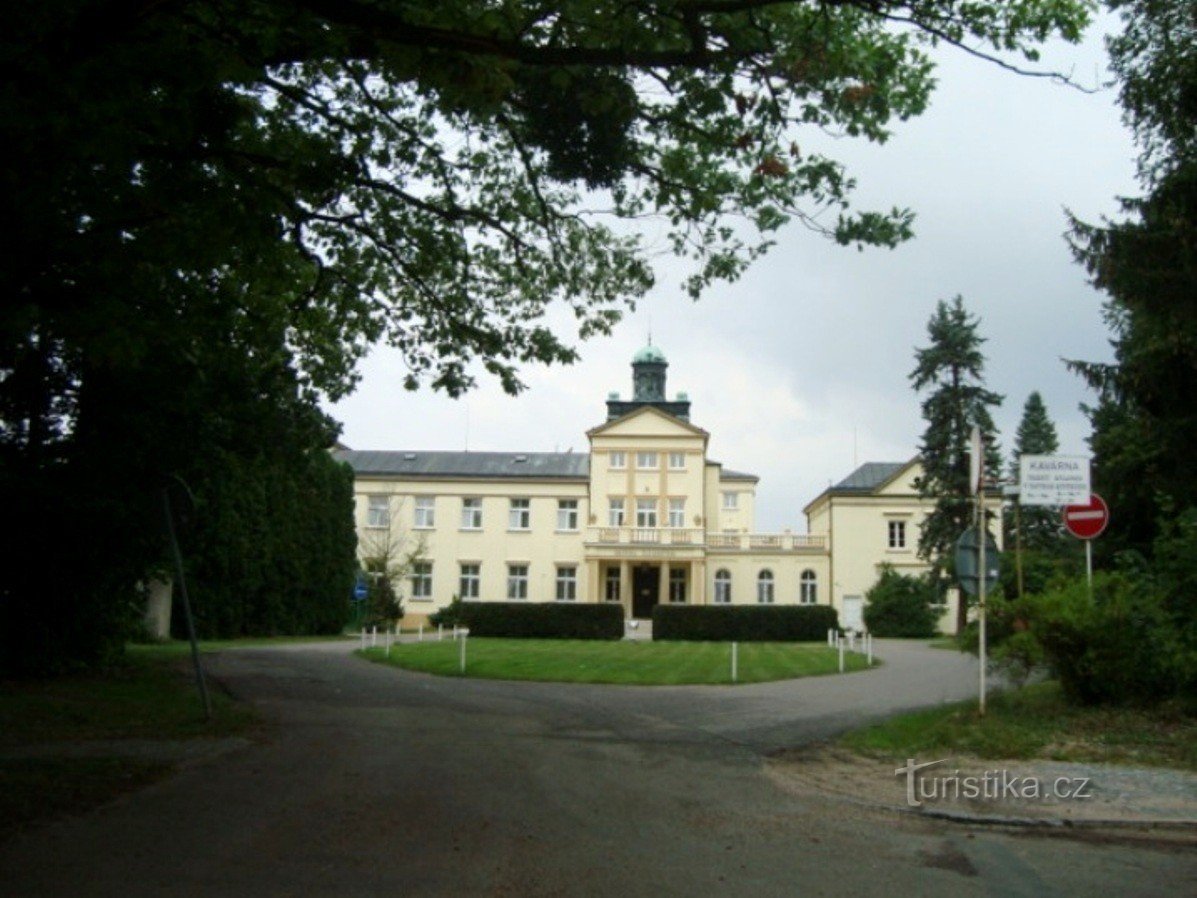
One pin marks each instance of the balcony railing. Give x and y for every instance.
(680, 536)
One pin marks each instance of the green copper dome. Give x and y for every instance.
(649, 355)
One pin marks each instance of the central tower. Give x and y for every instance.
(649, 367)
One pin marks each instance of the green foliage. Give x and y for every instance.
(542, 620)
(951, 369)
(901, 605)
(223, 205)
(270, 548)
(449, 616)
(744, 623)
(1121, 647)
(1040, 526)
(1144, 425)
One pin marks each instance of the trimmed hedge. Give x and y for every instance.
(543, 620)
(744, 623)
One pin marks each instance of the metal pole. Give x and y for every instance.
(1018, 541)
(981, 572)
(178, 557)
(1089, 566)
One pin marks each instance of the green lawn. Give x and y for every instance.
(150, 696)
(1036, 722)
(598, 661)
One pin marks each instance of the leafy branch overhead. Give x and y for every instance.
(438, 174)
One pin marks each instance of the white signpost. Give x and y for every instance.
(1054, 480)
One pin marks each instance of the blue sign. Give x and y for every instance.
(360, 589)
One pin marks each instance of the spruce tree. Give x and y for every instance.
(1041, 529)
(950, 370)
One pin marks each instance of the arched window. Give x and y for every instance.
(808, 588)
(764, 587)
(722, 587)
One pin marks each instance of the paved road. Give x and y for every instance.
(372, 781)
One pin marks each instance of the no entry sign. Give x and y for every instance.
(1088, 520)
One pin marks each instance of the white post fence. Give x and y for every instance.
(462, 653)
(735, 662)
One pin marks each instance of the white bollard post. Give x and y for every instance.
(735, 661)
(830, 637)
(440, 632)
(363, 639)
(841, 645)
(869, 647)
(462, 653)
(420, 635)
(389, 640)
(374, 636)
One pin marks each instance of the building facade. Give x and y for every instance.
(644, 518)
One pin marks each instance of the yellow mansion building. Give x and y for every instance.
(646, 517)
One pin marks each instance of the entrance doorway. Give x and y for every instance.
(646, 581)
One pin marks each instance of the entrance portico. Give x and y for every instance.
(640, 584)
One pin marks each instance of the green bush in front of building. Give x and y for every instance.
(901, 605)
(542, 620)
(744, 623)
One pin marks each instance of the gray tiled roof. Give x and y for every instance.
(725, 474)
(421, 463)
(870, 475)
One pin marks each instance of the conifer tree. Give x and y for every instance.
(1036, 435)
(951, 372)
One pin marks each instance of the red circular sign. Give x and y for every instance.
(1089, 520)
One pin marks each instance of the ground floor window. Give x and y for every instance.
(471, 575)
(764, 587)
(808, 588)
(567, 584)
(611, 591)
(421, 581)
(677, 585)
(517, 581)
(722, 587)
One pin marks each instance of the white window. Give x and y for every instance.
(731, 501)
(378, 511)
(567, 514)
(677, 460)
(808, 588)
(722, 587)
(677, 586)
(764, 587)
(517, 581)
(615, 512)
(619, 460)
(421, 581)
(677, 512)
(470, 582)
(611, 594)
(520, 515)
(567, 583)
(646, 512)
(897, 534)
(646, 461)
(471, 514)
(425, 512)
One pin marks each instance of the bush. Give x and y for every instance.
(449, 616)
(744, 623)
(1121, 647)
(898, 605)
(547, 620)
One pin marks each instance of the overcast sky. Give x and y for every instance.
(799, 370)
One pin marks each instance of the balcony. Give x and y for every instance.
(693, 538)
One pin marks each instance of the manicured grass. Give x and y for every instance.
(628, 662)
(150, 696)
(945, 642)
(175, 648)
(1036, 722)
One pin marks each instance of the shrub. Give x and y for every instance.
(744, 623)
(548, 620)
(899, 605)
(449, 616)
(1120, 647)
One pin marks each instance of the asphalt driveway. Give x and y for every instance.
(374, 781)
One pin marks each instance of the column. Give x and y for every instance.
(698, 583)
(663, 583)
(594, 582)
(625, 587)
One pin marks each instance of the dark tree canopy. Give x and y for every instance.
(1144, 422)
(1041, 527)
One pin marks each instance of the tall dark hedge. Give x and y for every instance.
(543, 620)
(270, 548)
(744, 623)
